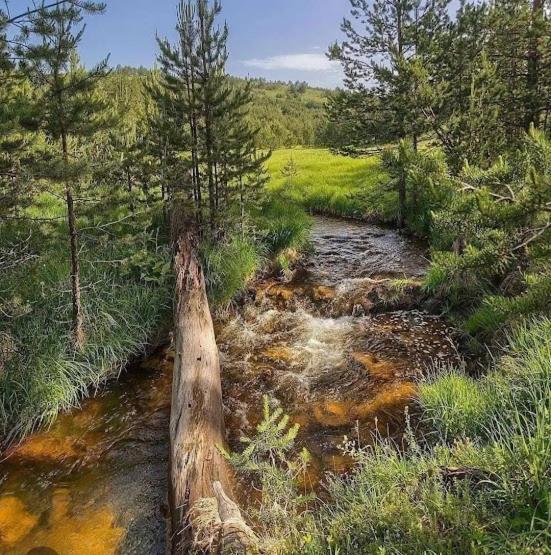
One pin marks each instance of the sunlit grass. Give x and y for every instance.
(279, 231)
(330, 184)
(228, 267)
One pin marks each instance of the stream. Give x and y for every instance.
(339, 346)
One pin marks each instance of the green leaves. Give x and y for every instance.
(271, 445)
(147, 266)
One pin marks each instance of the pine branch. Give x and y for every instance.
(28, 13)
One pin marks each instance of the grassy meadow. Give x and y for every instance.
(326, 183)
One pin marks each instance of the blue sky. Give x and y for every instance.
(276, 39)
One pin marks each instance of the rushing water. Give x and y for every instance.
(330, 346)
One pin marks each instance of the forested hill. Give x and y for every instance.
(286, 114)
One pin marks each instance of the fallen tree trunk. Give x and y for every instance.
(204, 519)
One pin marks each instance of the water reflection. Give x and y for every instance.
(95, 483)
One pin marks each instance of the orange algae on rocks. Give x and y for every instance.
(16, 521)
(322, 293)
(332, 413)
(376, 368)
(69, 529)
(390, 403)
(279, 353)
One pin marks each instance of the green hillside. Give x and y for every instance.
(286, 114)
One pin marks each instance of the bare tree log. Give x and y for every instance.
(197, 423)
(236, 538)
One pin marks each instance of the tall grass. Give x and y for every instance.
(334, 185)
(125, 274)
(279, 233)
(126, 296)
(229, 267)
(283, 229)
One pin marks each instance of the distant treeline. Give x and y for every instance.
(286, 113)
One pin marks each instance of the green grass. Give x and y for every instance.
(229, 266)
(284, 230)
(334, 185)
(279, 233)
(126, 297)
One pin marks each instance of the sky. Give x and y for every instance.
(275, 39)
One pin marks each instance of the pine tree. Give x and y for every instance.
(163, 139)
(379, 58)
(205, 116)
(69, 112)
(240, 168)
(16, 186)
(17, 144)
(519, 43)
(289, 171)
(488, 79)
(4, 52)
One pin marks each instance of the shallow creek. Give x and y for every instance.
(339, 346)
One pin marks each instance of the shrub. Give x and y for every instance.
(497, 310)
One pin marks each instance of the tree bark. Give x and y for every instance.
(78, 321)
(129, 187)
(196, 420)
(533, 62)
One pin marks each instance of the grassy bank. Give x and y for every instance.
(126, 296)
(326, 183)
(277, 233)
(126, 300)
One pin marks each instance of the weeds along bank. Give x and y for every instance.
(476, 482)
(275, 234)
(126, 297)
(126, 294)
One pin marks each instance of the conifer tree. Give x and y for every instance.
(69, 112)
(289, 171)
(17, 144)
(205, 118)
(379, 58)
(519, 43)
(4, 54)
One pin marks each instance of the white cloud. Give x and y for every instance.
(295, 62)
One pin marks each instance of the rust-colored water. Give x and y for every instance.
(95, 483)
(331, 346)
(328, 346)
